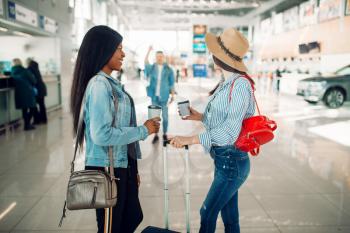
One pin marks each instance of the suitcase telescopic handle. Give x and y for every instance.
(166, 190)
(166, 142)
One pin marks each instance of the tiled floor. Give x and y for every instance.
(300, 183)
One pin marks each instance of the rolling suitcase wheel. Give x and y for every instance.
(151, 229)
(157, 230)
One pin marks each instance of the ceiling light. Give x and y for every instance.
(3, 29)
(71, 3)
(21, 34)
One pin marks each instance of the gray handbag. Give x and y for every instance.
(91, 189)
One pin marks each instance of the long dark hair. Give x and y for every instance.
(33, 66)
(228, 68)
(97, 47)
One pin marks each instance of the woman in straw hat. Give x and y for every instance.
(222, 119)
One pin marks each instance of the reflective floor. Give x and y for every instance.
(299, 183)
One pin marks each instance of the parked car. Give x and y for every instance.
(333, 89)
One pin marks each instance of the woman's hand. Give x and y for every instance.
(152, 125)
(195, 116)
(180, 141)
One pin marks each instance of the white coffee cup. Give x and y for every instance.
(154, 111)
(184, 108)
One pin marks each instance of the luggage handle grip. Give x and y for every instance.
(166, 142)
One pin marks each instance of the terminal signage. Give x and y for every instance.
(329, 9)
(47, 24)
(291, 19)
(199, 70)
(307, 13)
(22, 14)
(199, 32)
(278, 23)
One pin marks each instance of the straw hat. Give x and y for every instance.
(230, 48)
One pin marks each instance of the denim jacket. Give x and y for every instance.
(99, 111)
(166, 84)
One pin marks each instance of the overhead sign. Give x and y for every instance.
(47, 24)
(199, 70)
(307, 13)
(329, 9)
(278, 23)
(291, 19)
(199, 32)
(266, 26)
(1, 7)
(22, 14)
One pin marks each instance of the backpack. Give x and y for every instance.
(256, 130)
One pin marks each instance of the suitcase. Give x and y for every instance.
(151, 229)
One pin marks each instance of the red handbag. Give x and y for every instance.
(256, 130)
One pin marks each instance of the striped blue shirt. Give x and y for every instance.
(223, 118)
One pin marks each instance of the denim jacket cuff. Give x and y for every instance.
(144, 132)
(205, 140)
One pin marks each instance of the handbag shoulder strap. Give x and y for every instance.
(252, 84)
(78, 133)
(110, 148)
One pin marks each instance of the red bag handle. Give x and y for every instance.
(252, 84)
(272, 125)
(255, 152)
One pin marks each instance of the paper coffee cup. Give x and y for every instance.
(184, 108)
(154, 111)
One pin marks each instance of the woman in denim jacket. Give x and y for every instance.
(109, 120)
(222, 119)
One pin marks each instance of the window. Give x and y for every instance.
(343, 71)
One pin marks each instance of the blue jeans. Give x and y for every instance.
(165, 115)
(232, 168)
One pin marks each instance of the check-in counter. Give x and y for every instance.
(8, 112)
(53, 99)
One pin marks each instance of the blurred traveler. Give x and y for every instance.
(223, 119)
(109, 120)
(40, 117)
(24, 92)
(278, 79)
(177, 75)
(161, 85)
(138, 72)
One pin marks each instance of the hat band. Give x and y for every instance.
(227, 51)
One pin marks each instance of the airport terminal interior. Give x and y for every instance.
(298, 57)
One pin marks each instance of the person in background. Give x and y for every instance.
(223, 119)
(24, 92)
(161, 79)
(177, 75)
(138, 70)
(40, 117)
(278, 79)
(109, 120)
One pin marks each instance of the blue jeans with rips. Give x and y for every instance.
(232, 168)
(164, 105)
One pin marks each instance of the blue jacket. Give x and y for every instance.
(24, 84)
(166, 84)
(98, 116)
